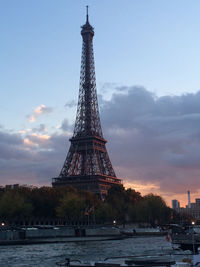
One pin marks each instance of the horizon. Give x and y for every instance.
(146, 60)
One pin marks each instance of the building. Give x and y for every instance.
(175, 204)
(87, 165)
(16, 186)
(189, 201)
(197, 200)
(192, 208)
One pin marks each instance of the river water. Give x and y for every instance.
(48, 254)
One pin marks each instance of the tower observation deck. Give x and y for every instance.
(87, 165)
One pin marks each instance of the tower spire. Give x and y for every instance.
(87, 16)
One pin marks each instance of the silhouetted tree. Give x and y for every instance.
(13, 205)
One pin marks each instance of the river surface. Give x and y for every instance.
(48, 254)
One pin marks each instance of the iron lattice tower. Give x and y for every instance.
(87, 165)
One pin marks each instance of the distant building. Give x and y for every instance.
(15, 186)
(175, 204)
(192, 206)
(189, 202)
(1, 188)
(197, 201)
(192, 209)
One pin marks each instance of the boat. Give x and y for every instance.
(135, 261)
(186, 237)
(143, 232)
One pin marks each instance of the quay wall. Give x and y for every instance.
(70, 232)
(34, 233)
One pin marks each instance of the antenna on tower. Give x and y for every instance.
(87, 14)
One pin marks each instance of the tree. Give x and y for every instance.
(71, 207)
(132, 196)
(13, 205)
(104, 213)
(116, 198)
(151, 209)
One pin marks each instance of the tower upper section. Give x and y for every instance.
(87, 118)
(87, 29)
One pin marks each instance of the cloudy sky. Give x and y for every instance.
(147, 66)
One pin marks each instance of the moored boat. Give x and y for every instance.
(135, 261)
(186, 237)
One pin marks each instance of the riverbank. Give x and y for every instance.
(40, 235)
(57, 240)
(33, 235)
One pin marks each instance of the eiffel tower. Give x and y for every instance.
(87, 165)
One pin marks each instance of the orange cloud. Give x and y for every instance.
(42, 109)
(29, 142)
(35, 140)
(41, 136)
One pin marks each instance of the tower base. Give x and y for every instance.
(98, 184)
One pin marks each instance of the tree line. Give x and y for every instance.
(122, 205)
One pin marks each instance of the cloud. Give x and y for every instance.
(39, 141)
(40, 110)
(107, 87)
(10, 139)
(33, 159)
(11, 147)
(152, 141)
(66, 126)
(40, 129)
(71, 104)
